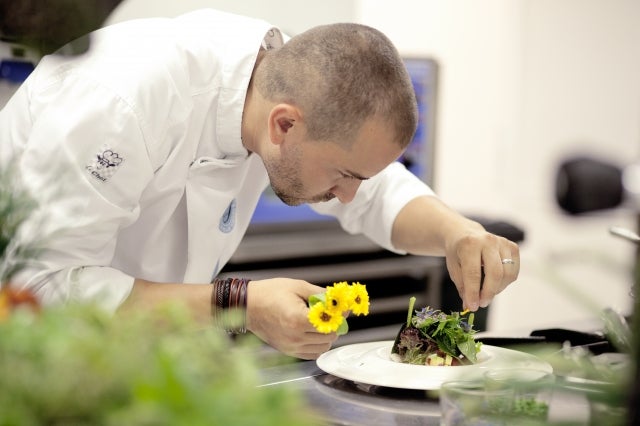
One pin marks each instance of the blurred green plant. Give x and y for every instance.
(16, 206)
(633, 400)
(608, 381)
(77, 365)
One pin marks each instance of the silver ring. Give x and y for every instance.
(508, 261)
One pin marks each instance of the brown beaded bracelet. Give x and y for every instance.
(229, 294)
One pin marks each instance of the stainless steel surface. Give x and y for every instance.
(342, 402)
(310, 240)
(415, 266)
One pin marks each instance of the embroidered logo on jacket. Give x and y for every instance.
(105, 163)
(228, 219)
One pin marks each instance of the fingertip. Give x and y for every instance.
(486, 296)
(472, 306)
(472, 301)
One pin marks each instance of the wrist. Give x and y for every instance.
(229, 304)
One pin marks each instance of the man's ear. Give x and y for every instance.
(283, 120)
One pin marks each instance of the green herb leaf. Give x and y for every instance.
(431, 330)
(343, 328)
(468, 349)
(412, 302)
(317, 298)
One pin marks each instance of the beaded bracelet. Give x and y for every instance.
(229, 294)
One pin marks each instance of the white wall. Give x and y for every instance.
(479, 58)
(523, 84)
(290, 15)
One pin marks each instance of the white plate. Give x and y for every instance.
(370, 363)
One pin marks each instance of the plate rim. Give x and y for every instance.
(419, 382)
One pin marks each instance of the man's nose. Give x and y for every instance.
(346, 191)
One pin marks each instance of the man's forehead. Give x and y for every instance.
(373, 149)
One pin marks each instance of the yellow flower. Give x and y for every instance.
(325, 320)
(359, 299)
(327, 311)
(338, 297)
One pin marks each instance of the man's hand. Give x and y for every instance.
(481, 265)
(277, 313)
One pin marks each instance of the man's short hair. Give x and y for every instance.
(339, 75)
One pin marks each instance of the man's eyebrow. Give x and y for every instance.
(355, 175)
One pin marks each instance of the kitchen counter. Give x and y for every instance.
(344, 402)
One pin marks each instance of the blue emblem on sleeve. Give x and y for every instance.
(228, 219)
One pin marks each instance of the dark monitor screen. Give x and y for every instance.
(418, 157)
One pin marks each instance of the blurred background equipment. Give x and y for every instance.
(585, 184)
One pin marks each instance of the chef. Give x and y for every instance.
(148, 155)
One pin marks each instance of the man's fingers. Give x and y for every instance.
(312, 351)
(472, 279)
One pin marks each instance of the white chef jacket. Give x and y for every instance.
(134, 151)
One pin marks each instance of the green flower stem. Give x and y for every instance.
(412, 302)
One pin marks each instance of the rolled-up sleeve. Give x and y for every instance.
(101, 286)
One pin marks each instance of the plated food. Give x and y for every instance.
(432, 337)
(371, 363)
(412, 360)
